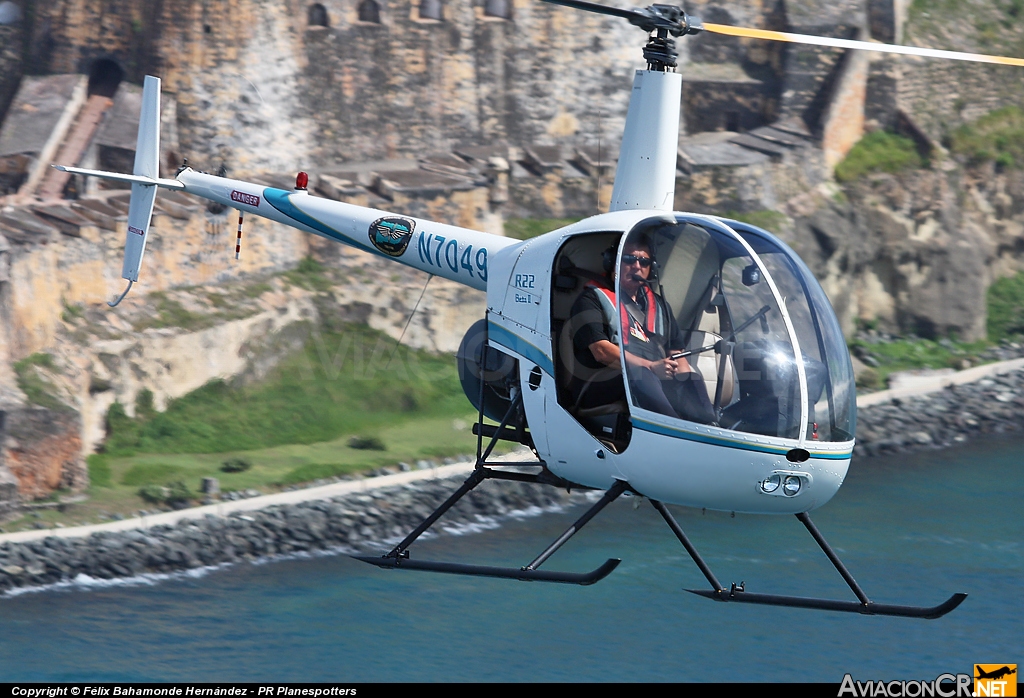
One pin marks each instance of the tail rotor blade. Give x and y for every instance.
(788, 37)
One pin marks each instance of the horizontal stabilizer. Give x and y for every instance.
(119, 177)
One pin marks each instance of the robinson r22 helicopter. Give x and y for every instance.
(757, 326)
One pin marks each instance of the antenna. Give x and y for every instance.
(599, 159)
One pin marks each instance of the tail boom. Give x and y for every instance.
(448, 251)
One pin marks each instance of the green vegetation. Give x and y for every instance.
(235, 465)
(313, 471)
(526, 228)
(99, 471)
(154, 494)
(996, 24)
(1006, 307)
(37, 388)
(336, 385)
(769, 220)
(996, 137)
(256, 290)
(879, 151)
(150, 474)
(171, 313)
(409, 439)
(908, 354)
(172, 493)
(310, 275)
(366, 443)
(72, 312)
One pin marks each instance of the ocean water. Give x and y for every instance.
(911, 529)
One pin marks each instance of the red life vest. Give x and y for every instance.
(646, 332)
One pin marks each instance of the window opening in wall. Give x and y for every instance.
(9, 13)
(498, 8)
(104, 77)
(369, 11)
(316, 16)
(431, 9)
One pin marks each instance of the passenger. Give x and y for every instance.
(648, 330)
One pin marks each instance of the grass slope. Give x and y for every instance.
(297, 425)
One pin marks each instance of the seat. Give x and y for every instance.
(609, 422)
(709, 363)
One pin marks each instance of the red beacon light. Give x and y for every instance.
(301, 181)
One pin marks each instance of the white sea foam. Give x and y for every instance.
(84, 582)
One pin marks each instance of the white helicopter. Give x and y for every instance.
(777, 431)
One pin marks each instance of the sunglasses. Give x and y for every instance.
(628, 259)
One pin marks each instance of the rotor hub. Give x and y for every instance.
(658, 20)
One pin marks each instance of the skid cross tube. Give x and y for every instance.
(864, 605)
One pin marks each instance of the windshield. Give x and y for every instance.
(833, 408)
(705, 339)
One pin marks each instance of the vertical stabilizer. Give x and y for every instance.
(646, 174)
(147, 164)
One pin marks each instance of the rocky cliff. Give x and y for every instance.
(914, 251)
(196, 315)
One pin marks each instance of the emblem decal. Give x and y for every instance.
(391, 235)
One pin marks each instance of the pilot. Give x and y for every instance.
(648, 331)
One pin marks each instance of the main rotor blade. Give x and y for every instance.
(850, 43)
(594, 7)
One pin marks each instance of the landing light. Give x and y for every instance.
(772, 483)
(791, 486)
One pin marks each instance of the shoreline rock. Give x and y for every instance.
(362, 521)
(951, 416)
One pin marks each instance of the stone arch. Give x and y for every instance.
(369, 11)
(432, 9)
(104, 77)
(498, 8)
(316, 16)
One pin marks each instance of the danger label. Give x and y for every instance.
(247, 199)
(133, 229)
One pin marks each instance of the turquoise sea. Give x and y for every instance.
(911, 529)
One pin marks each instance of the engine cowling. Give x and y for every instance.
(485, 368)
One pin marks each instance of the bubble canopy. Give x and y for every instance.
(713, 315)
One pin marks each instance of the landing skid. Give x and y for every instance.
(863, 605)
(398, 557)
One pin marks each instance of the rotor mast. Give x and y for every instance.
(645, 177)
